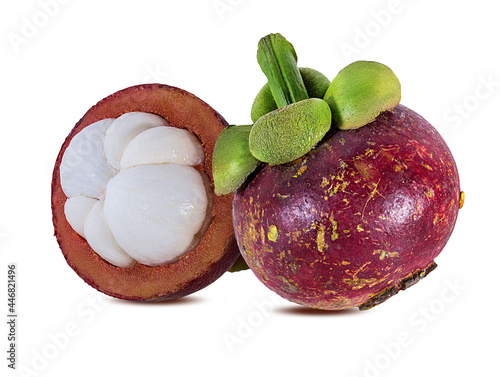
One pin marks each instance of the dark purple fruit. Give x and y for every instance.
(354, 221)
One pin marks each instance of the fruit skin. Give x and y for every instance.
(358, 218)
(217, 250)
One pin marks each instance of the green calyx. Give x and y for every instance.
(232, 161)
(360, 92)
(288, 123)
(295, 110)
(290, 132)
(315, 82)
(278, 60)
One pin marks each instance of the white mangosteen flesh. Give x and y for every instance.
(101, 239)
(161, 145)
(126, 128)
(76, 210)
(133, 189)
(84, 166)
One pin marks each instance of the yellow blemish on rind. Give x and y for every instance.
(335, 226)
(272, 233)
(336, 188)
(359, 228)
(262, 235)
(385, 253)
(282, 196)
(320, 239)
(462, 199)
(300, 171)
(372, 194)
(357, 283)
(436, 219)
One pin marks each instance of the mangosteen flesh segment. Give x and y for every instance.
(133, 190)
(354, 221)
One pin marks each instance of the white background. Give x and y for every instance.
(57, 60)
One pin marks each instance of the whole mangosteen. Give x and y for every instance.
(358, 218)
(361, 213)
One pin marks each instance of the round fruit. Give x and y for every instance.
(354, 221)
(132, 196)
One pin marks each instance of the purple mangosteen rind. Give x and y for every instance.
(355, 220)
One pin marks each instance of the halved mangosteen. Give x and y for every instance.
(132, 196)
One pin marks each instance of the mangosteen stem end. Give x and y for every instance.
(401, 286)
(278, 60)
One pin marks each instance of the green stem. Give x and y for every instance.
(278, 60)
